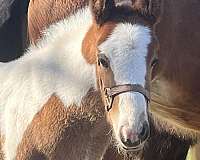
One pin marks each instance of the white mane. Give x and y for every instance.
(55, 66)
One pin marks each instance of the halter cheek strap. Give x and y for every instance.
(111, 93)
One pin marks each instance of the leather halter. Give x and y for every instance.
(111, 93)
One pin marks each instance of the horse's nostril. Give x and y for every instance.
(129, 143)
(144, 134)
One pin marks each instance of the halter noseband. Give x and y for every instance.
(111, 93)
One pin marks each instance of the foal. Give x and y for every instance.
(161, 145)
(94, 49)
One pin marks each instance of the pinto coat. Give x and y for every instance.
(50, 15)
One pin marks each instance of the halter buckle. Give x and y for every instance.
(109, 99)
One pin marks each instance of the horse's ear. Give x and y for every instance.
(101, 10)
(148, 7)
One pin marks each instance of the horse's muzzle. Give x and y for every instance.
(133, 141)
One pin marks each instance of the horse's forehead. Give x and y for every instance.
(124, 38)
(118, 36)
(127, 48)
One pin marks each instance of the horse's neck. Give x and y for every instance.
(60, 51)
(179, 38)
(176, 88)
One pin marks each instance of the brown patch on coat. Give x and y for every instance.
(93, 38)
(75, 132)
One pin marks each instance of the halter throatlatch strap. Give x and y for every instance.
(110, 93)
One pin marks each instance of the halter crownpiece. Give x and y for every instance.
(111, 93)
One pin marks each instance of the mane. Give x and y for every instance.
(54, 66)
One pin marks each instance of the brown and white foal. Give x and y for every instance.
(103, 48)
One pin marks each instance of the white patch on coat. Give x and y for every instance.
(56, 65)
(127, 48)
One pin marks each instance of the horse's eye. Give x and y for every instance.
(103, 61)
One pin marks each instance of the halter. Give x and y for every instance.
(111, 93)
